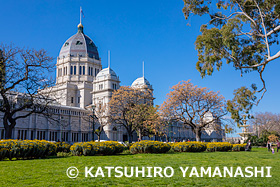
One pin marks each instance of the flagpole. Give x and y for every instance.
(80, 15)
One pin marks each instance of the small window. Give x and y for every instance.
(66, 43)
(84, 70)
(91, 44)
(114, 86)
(75, 70)
(100, 86)
(72, 99)
(80, 70)
(88, 70)
(71, 70)
(78, 99)
(79, 43)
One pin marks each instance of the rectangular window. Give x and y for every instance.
(75, 70)
(71, 70)
(32, 135)
(75, 137)
(22, 134)
(72, 99)
(91, 69)
(88, 70)
(84, 137)
(84, 70)
(78, 99)
(53, 136)
(80, 70)
(2, 134)
(18, 136)
(100, 86)
(65, 70)
(66, 137)
(95, 72)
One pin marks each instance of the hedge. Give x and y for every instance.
(238, 147)
(147, 146)
(96, 148)
(219, 146)
(188, 146)
(26, 149)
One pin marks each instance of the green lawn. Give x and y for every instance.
(52, 171)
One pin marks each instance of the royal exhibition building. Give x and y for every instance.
(82, 82)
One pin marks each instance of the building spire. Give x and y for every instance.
(109, 59)
(143, 70)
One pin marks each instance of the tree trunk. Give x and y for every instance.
(8, 127)
(198, 134)
(98, 136)
(8, 132)
(140, 135)
(129, 137)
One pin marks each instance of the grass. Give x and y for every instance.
(52, 171)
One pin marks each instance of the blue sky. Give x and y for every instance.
(154, 31)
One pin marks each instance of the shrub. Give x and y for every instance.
(26, 149)
(63, 147)
(238, 147)
(188, 146)
(96, 148)
(218, 146)
(63, 154)
(147, 146)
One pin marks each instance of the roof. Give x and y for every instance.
(140, 82)
(106, 73)
(79, 44)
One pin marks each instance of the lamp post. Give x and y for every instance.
(93, 122)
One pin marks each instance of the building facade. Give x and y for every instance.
(81, 83)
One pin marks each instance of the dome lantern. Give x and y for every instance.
(80, 28)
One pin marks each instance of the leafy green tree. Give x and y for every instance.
(241, 33)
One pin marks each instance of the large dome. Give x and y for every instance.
(80, 44)
(141, 82)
